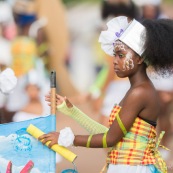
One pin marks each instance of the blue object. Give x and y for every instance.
(153, 169)
(69, 171)
(25, 19)
(20, 147)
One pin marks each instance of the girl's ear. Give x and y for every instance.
(140, 60)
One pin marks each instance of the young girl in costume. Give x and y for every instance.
(114, 88)
(132, 133)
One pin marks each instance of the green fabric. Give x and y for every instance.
(86, 122)
(100, 80)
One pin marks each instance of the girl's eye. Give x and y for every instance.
(114, 54)
(121, 55)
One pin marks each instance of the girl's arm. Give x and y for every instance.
(131, 107)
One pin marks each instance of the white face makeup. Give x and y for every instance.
(120, 45)
(128, 62)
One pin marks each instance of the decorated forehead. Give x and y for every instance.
(119, 29)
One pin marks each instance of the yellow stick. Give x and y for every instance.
(67, 154)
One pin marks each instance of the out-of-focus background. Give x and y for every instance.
(39, 36)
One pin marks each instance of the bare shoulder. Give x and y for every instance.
(143, 101)
(141, 95)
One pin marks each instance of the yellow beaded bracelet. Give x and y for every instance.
(89, 141)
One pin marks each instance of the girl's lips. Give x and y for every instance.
(115, 69)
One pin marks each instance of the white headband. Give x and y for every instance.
(132, 34)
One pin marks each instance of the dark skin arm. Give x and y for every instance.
(132, 105)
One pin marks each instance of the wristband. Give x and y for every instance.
(66, 137)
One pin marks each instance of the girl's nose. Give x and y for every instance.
(115, 61)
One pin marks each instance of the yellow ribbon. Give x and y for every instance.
(89, 141)
(160, 163)
(104, 140)
(122, 127)
(104, 168)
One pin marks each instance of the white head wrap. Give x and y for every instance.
(132, 34)
(33, 78)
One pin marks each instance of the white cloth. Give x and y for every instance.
(23, 116)
(66, 137)
(3, 99)
(8, 81)
(5, 52)
(128, 169)
(163, 84)
(133, 34)
(6, 14)
(115, 28)
(114, 94)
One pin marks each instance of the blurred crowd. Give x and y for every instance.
(36, 38)
(23, 49)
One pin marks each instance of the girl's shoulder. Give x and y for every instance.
(141, 94)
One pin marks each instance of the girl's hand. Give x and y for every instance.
(59, 100)
(52, 137)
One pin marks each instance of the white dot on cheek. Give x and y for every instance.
(128, 62)
(128, 56)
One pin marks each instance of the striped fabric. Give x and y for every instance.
(138, 147)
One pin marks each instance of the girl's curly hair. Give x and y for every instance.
(159, 45)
